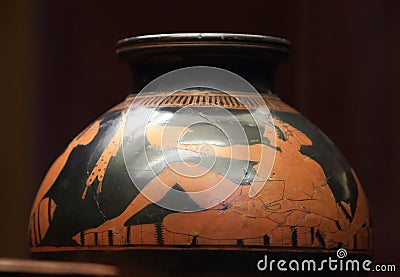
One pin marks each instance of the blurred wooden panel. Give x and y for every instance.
(17, 123)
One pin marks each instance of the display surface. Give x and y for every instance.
(311, 200)
(30, 268)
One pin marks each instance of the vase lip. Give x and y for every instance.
(228, 40)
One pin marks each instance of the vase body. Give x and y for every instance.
(311, 202)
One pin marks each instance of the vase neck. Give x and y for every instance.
(253, 57)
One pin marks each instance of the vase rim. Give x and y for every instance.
(228, 40)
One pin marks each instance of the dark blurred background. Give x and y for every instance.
(59, 72)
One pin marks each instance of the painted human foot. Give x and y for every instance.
(105, 234)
